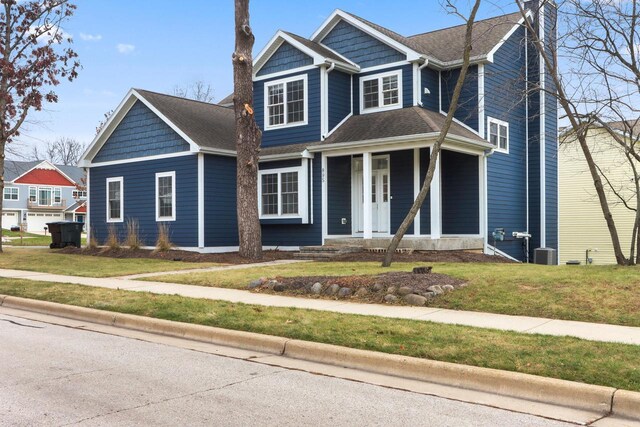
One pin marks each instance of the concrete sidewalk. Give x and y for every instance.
(523, 324)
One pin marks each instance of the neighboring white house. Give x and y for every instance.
(39, 192)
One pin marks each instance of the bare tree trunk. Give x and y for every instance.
(248, 137)
(408, 220)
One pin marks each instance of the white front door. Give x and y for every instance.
(379, 195)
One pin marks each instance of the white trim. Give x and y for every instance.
(493, 250)
(499, 123)
(439, 90)
(48, 166)
(482, 176)
(324, 102)
(435, 199)
(481, 129)
(416, 188)
(172, 175)
(120, 180)
(287, 156)
(201, 200)
(284, 82)
(338, 125)
(310, 167)
(381, 106)
(543, 139)
(367, 208)
(4, 191)
(142, 159)
(285, 73)
(303, 194)
(35, 187)
(323, 176)
(338, 14)
(384, 66)
(513, 29)
(87, 218)
(416, 84)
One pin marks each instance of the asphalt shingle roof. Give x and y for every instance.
(208, 125)
(14, 168)
(318, 48)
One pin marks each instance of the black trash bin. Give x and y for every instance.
(65, 233)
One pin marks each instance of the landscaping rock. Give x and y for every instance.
(405, 290)
(413, 299)
(391, 290)
(391, 299)
(448, 288)
(422, 270)
(279, 287)
(377, 287)
(362, 292)
(271, 284)
(254, 284)
(436, 289)
(333, 289)
(344, 292)
(316, 288)
(429, 295)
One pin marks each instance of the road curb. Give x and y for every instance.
(597, 399)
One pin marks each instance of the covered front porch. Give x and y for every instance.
(367, 194)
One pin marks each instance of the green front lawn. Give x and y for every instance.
(48, 261)
(614, 365)
(603, 294)
(29, 239)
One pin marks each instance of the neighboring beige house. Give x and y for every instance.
(582, 224)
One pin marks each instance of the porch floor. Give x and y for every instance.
(411, 242)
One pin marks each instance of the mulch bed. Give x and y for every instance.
(424, 256)
(176, 255)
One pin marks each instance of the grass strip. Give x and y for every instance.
(608, 364)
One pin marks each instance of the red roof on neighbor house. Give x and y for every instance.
(82, 209)
(44, 177)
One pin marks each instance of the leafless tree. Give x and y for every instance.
(248, 137)
(437, 146)
(198, 91)
(104, 121)
(63, 151)
(597, 76)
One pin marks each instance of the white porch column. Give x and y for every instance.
(436, 212)
(367, 208)
(417, 184)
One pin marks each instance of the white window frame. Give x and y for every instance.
(499, 123)
(17, 193)
(58, 191)
(50, 192)
(159, 175)
(79, 194)
(29, 198)
(303, 193)
(381, 106)
(121, 181)
(284, 82)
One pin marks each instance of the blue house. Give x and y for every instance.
(349, 117)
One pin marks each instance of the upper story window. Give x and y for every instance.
(10, 193)
(381, 92)
(115, 199)
(166, 196)
(79, 194)
(286, 102)
(283, 193)
(33, 194)
(499, 134)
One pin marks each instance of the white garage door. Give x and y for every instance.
(9, 219)
(38, 221)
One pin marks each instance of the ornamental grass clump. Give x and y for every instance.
(92, 242)
(112, 242)
(133, 240)
(163, 243)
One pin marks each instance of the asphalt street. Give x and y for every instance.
(55, 375)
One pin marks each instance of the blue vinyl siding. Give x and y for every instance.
(300, 234)
(339, 97)
(551, 137)
(431, 81)
(140, 133)
(507, 194)
(425, 211)
(296, 134)
(339, 195)
(401, 165)
(407, 85)
(286, 57)
(139, 183)
(534, 151)
(221, 223)
(460, 193)
(359, 47)
(467, 111)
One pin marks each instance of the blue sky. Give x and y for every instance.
(158, 44)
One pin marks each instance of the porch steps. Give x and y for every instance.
(324, 252)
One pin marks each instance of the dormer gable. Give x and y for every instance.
(45, 173)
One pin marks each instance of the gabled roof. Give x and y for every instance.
(14, 170)
(320, 54)
(77, 205)
(626, 126)
(206, 127)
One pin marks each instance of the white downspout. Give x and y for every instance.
(419, 88)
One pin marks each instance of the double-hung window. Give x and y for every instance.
(115, 199)
(166, 196)
(33, 195)
(79, 194)
(10, 193)
(57, 196)
(283, 193)
(381, 92)
(285, 102)
(499, 134)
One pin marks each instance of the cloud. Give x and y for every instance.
(125, 49)
(90, 37)
(48, 32)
